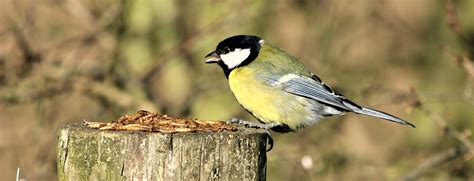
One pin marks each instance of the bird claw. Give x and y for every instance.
(233, 121)
(270, 141)
(249, 124)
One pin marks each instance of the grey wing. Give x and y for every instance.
(312, 89)
(315, 89)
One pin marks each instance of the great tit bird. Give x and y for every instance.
(277, 89)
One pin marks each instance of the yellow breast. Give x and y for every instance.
(267, 103)
(253, 95)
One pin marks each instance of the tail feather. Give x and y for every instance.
(382, 115)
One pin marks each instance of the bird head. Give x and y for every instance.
(235, 51)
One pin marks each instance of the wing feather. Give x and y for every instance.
(316, 90)
(310, 88)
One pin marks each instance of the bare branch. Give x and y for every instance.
(463, 60)
(452, 18)
(466, 145)
(463, 138)
(113, 95)
(435, 161)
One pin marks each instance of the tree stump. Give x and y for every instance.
(91, 154)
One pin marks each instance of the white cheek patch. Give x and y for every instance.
(236, 57)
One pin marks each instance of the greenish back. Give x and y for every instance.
(272, 61)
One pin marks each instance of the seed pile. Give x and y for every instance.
(156, 122)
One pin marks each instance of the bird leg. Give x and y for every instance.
(249, 124)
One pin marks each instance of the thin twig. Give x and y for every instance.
(112, 95)
(452, 18)
(466, 147)
(463, 61)
(435, 161)
(463, 138)
(450, 130)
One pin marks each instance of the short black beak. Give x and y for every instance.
(212, 57)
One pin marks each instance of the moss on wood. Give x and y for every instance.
(89, 154)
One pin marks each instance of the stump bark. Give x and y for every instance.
(90, 154)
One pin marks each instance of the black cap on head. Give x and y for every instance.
(238, 41)
(235, 51)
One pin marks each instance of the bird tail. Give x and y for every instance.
(382, 115)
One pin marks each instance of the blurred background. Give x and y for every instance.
(65, 61)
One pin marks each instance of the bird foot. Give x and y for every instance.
(249, 124)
